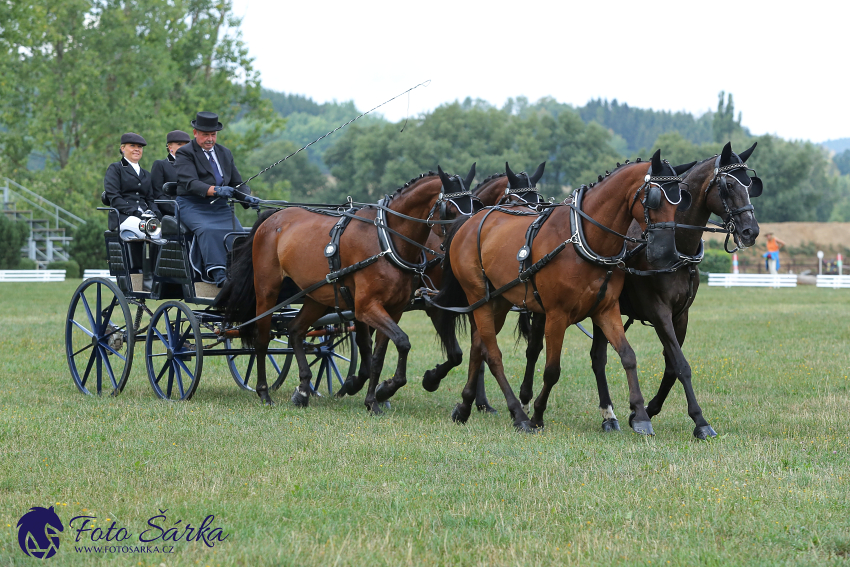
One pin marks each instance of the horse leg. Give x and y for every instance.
(672, 336)
(612, 326)
(532, 353)
(487, 321)
(598, 360)
(454, 357)
(387, 329)
(267, 294)
(353, 384)
(556, 326)
(309, 312)
(481, 401)
(461, 411)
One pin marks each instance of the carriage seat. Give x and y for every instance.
(170, 227)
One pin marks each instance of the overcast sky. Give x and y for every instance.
(785, 64)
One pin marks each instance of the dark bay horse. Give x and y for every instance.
(718, 185)
(508, 187)
(571, 282)
(291, 243)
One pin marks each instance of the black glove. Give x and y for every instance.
(248, 201)
(224, 191)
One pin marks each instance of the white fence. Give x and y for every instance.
(88, 274)
(32, 275)
(834, 282)
(753, 280)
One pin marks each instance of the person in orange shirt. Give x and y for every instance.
(772, 254)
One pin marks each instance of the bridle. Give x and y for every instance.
(653, 189)
(472, 204)
(721, 178)
(526, 195)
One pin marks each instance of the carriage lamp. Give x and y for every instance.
(149, 225)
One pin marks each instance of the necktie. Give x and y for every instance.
(218, 179)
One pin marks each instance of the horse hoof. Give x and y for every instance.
(457, 415)
(642, 427)
(347, 388)
(430, 381)
(375, 409)
(704, 432)
(537, 427)
(300, 400)
(526, 427)
(382, 392)
(611, 424)
(487, 408)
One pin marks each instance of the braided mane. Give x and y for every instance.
(488, 179)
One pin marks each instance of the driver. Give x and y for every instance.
(206, 175)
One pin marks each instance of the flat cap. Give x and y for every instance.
(133, 138)
(177, 136)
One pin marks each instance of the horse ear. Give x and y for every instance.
(444, 178)
(680, 169)
(726, 154)
(537, 174)
(746, 153)
(657, 167)
(513, 180)
(467, 183)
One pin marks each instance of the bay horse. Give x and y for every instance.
(718, 185)
(572, 282)
(508, 187)
(288, 244)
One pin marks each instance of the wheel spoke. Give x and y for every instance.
(274, 364)
(99, 303)
(165, 367)
(170, 378)
(88, 346)
(159, 335)
(99, 365)
(83, 329)
(177, 364)
(114, 330)
(183, 338)
(109, 371)
(341, 357)
(88, 311)
(168, 330)
(113, 351)
(187, 371)
(88, 367)
(336, 370)
(107, 315)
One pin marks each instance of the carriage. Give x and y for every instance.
(156, 298)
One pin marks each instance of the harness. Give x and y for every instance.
(721, 178)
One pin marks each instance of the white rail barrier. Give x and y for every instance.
(753, 280)
(32, 275)
(835, 282)
(88, 274)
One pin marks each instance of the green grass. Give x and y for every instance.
(330, 485)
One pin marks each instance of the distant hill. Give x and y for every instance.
(838, 145)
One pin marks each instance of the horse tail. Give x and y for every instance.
(451, 295)
(238, 296)
(523, 326)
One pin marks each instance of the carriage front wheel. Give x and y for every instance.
(99, 338)
(174, 351)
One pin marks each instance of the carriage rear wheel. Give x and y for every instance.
(243, 366)
(174, 351)
(99, 338)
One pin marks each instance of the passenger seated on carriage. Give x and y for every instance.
(162, 170)
(128, 189)
(206, 174)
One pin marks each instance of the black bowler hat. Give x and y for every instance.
(207, 122)
(133, 138)
(177, 136)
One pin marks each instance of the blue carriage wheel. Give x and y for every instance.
(243, 366)
(99, 338)
(332, 356)
(174, 351)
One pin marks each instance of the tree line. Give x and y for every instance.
(76, 74)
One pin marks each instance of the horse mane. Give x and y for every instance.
(488, 179)
(607, 173)
(429, 173)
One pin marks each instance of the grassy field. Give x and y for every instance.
(331, 485)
